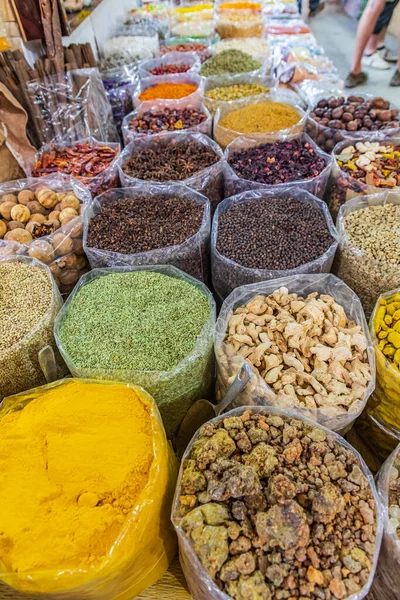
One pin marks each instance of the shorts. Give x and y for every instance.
(385, 16)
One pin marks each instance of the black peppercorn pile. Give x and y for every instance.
(273, 233)
(134, 225)
(280, 162)
(172, 161)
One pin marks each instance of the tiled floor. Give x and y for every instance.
(335, 31)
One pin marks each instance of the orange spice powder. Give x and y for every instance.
(168, 91)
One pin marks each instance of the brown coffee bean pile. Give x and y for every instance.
(277, 509)
(132, 225)
(170, 161)
(273, 233)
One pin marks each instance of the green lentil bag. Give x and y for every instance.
(150, 326)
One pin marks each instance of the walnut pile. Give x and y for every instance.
(277, 509)
(306, 349)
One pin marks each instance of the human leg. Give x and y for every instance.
(364, 31)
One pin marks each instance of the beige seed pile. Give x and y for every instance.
(376, 231)
(25, 297)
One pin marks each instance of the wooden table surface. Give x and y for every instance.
(170, 587)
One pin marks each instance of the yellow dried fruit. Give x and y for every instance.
(26, 196)
(21, 236)
(46, 197)
(21, 213)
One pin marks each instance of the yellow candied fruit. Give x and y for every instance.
(394, 338)
(388, 319)
(389, 351)
(382, 344)
(382, 301)
(382, 334)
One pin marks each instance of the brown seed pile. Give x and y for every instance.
(277, 509)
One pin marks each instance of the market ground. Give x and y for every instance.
(335, 31)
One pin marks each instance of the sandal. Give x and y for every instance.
(355, 79)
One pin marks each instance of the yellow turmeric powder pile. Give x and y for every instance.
(262, 117)
(73, 463)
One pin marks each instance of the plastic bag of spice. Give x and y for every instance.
(369, 276)
(180, 62)
(208, 181)
(173, 118)
(174, 389)
(173, 84)
(182, 44)
(387, 578)
(50, 228)
(318, 165)
(238, 79)
(154, 211)
(222, 505)
(330, 411)
(28, 328)
(140, 543)
(120, 84)
(255, 124)
(342, 186)
(228, 274)
(90, 161)
(239, 25)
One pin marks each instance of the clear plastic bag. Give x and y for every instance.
(217, 81)
(181, 59)
(257, 47)
(71, 106)
(146, 544)
(19, 365)
(202, 29)
(175, 390)
(234, 184)
(224, 136)
(62, 250)
(130, 135)
(238, 25)
(209, 181)
(367, 276)
(228, 275)
(134, 41)
(191, 256)
(106, 179)
(120, 85)
(386, 584)
(201, 586)
(181, 78)
(182, 44)
(258, 392)
(342, 186)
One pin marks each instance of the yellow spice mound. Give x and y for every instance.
(72, 465)
(261, 118)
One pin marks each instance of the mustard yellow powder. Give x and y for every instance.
(72, 465)
(261, 118)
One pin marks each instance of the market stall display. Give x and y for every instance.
(94, 461)
(256, 490)
(150, 224)
(258, 235)
(315, 355)
(151, 326)
(159, 89)
(239, 24)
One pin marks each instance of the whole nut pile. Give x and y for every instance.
(273, 233)
(167, 119)
(280, 162)
(28, 215)
(276, 508)
(306, 349)
(373, 163)
(355, 113)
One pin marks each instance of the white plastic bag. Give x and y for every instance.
(209, 181)
(201, 586)
(191, 256)
(258, 392)
(235, 184)
(228, 275)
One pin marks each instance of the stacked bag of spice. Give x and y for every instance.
(44, 220)
(368, 256)
(192, 158)
(220, 89)
(293, 159)
(269, 118)
(307, 341)
(29, 303)
(255, 46)
(151, 326)
(239, 20)
(231, 61)
(270, 506)
(257, 236)
(161, 90)
(386, 582)
(87, 478)
(150, 224)
(363, 167)
(170, 64)
(335, 118)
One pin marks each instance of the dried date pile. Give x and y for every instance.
(131, 225)
(280, 162)
(167, 119)
(273, 233)
(170, 160)
(277, 509)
